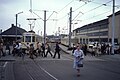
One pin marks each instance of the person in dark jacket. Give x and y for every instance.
(31, 51)
(57, 51)
(43, 50)
(73, 49)
(84, 48)
(8, 47)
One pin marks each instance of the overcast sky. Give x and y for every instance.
(84, 12)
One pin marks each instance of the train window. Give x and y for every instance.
(33, 39)
(23, 39)
(28, 39)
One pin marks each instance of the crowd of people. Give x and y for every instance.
(97, 49)
(37, 49)
(43, 50)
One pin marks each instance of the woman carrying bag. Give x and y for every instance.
(78, 58)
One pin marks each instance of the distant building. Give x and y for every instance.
(94, 32)
(53, 38)
(9, 35)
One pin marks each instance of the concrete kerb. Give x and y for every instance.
(63, 49)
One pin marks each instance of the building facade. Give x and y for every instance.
(94, 32)
(10, 34)
(100, 31)
(117, 27)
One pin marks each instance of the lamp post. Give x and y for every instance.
(16, 22)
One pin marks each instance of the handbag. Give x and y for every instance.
(79, 65)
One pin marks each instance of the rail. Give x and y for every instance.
(2, 70)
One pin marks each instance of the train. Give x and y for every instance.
(30, 38)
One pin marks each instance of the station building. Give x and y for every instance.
(100, 31)
(9, 35)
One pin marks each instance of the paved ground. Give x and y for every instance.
(95, 68)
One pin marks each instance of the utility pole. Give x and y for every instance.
(70, 23)
(16, 26)
(59, 32)
(44, 27)
(16, 15)
(113, 26)
(1, 34)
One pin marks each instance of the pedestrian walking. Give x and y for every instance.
(108, 49)
(78, 58)
(103, 48)
(57, 51)
(18, 48)
(14, 48)
(38, 48)
(32, 51)
(48, 51)
(84, 48)
(27, 51)
(43, 50)
(1, 48)
(7, 48)
(73, 49)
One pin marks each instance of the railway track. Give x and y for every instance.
(39, 70)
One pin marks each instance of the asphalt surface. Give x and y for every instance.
(62, 69)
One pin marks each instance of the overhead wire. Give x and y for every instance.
(56, 20)
(97, 7)
(51, 15)
(79, 7)
(65, 6)
(77, 15)
(96, 15)
(63, 17)
(63, 9)
(67, 25)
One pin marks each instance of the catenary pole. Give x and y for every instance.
(16, 27)
(113, 26)
(44, 27)
(70, 23)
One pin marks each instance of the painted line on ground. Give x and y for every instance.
(5, 64)
(48, 73)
